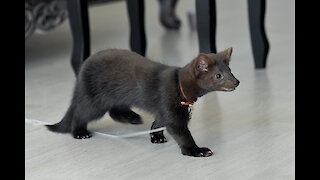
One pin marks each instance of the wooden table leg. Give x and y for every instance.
(79, 23)
(259, 41)
(137, 29)
(206, 25)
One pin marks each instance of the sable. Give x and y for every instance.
(115, 80)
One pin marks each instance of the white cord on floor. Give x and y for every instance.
(139, 133)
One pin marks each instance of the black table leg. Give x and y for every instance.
(79, 23)
(137, 31)
(206, 25)
(259, 41)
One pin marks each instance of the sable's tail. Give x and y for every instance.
(59, 127)
(64, 126)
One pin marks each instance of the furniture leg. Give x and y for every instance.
(79, 23)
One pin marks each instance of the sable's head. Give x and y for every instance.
(213, 73)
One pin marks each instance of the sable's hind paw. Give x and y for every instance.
(156, 138)
(81, 134)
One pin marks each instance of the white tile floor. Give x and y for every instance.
(251, 129)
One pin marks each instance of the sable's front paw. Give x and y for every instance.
(197, 152)
(157, 138)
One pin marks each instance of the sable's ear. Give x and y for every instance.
(228, 53)
(202, 62)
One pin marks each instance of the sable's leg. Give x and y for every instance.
(84, 113)
(79, 130)
(157, 137)
(182, 136)
(124, 114)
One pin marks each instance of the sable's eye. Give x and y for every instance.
(218, 76)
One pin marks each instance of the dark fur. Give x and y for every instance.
(116, 80)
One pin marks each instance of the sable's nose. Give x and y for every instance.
(237, 83)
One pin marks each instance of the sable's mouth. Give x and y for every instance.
(228, 89)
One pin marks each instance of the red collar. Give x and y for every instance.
(185, 103)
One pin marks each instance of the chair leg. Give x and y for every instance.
(206, 25)
(79, 24)
(259, 41)
(168, 17)
(137, 29)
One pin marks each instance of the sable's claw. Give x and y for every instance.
(81, 134)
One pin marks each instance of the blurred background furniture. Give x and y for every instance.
(44, 15)
(206, 25)
(79, 22)
(259, 41)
